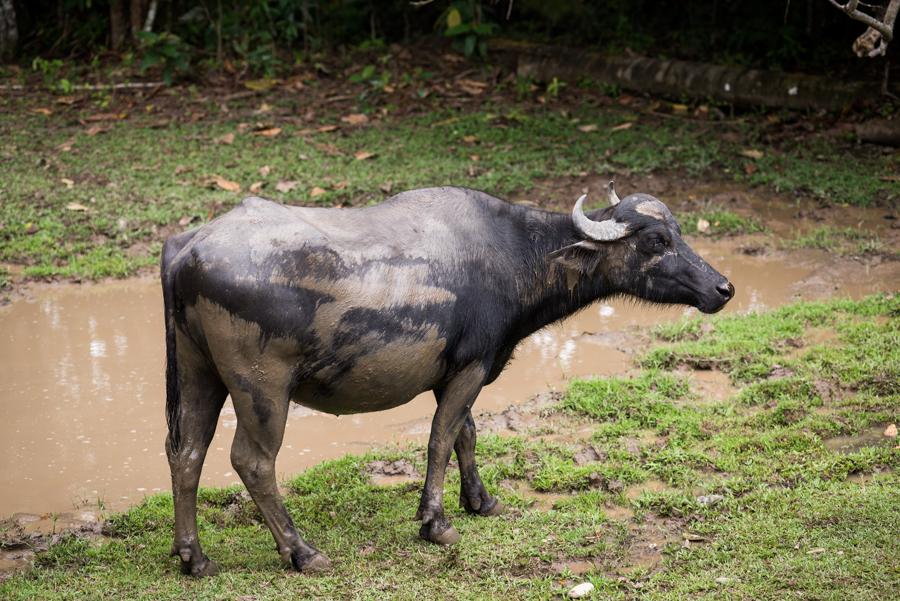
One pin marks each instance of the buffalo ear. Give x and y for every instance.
(576, 260)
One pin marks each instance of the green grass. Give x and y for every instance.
(840, 240)
(799, 517)
(102, 207)
(722, 222)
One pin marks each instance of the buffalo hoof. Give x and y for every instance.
(311, 564)
(490, 508)
(199, 568)
(446, 536)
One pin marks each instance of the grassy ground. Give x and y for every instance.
(609, 482)
(86, 198)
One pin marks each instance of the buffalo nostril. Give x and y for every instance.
(726, 290)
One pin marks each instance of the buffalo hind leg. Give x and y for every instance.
(454, 401)
(201, 397)
(473, 497)
(260, 429)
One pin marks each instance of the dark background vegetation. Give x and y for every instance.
(268, 37)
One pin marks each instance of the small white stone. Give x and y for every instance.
(792, 91)
(723, 580)
(581, 590)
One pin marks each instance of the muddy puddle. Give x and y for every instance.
(81, 381)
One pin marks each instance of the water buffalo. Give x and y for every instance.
(354, 310)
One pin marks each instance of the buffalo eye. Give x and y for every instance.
(657, 242)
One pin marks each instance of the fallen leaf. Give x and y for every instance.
(74, 206)
(42, 111)
(891, 431)
(67, 182)
(588, 127)
(316, 191)
(264, 108)
(66, 146)
(362, 155)
(890, 178)
(186, 220)
(96, 129)
(260, 85)
(702, 226)
(341, 185)
(816, 551)
(327, 128)
(386, 187)
(265, 170)
(255, 187)
(752, 154)
(268, 133)
(182, 169)
(679, 109)
(106, 117)
(225, 184)
(65, 100)
(226, 139)
(750, 168)
(355, 118)
(303, 157)
(470, 139)
(621, 126)
(286, 186)
(329, 149)
(471, 87)
(474, 158)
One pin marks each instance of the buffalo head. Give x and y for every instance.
(634, 247)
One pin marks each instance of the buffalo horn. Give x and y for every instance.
(611, 193)
(601, 231)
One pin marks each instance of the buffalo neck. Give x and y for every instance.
(544, 292)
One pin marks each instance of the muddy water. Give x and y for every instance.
(81, 383)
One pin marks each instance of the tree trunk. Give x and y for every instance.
(118, 26)
(676, 79)
(9, 31)
(137, 18)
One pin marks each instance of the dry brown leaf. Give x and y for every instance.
(891, 431)
(589, 127)
(265, 170)
(182, 169)
(329, 149)
(362, 155)
(74, 206)
(750, 168)
(66, 100)
(470, 139)
(255, 187)
(679, 109)
(268, 133)
(341, 185)
(67, 182)
(260, 85)
(42, 111)
(226, 184)
(752, 154)
(316, 191)
(106, 117)
(327, 128)
(471, 87)
(66, 146)
(96, 129)
(286, 186)
(186, 220)
(474, 158)
(355, 118)
(226, 139)
(621, 126)
(386, 187)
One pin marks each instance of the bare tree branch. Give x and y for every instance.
(874, 41)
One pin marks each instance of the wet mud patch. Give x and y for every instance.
(389, 473)
(23, 535)
(873, 436)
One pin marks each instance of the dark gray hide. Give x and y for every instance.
(354, 310)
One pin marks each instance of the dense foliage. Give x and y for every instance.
(269, 35)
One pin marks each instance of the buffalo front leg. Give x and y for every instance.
(473, 497)
(454, 401)
(261, 421)
(200, 399)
